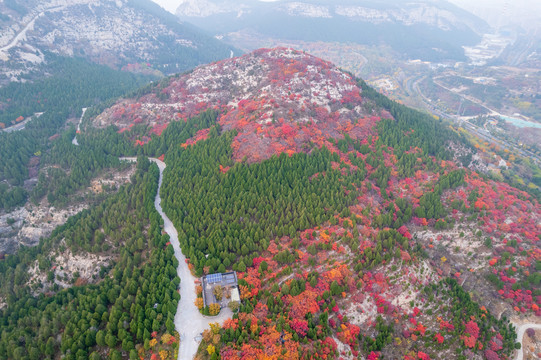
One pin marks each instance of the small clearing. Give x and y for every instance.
(68, 269)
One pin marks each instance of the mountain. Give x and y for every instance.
(430, 30)
(300, 99)
(358, 228)
(115, 33)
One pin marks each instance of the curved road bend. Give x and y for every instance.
(520, 335)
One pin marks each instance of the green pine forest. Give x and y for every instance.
(73, 84)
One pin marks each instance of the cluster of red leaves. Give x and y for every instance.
(299, 326)
(200, 135)
(302, 304)
(502, 203)
(403, 230)
(469, 341)
(417, 356)
(472, 329)
(144, 140)
(269, 338)
(224, 169)
(418, 327)
(158, 129)
(127, 128)
(445, 325)
(373, 356)
(268, 342)
(471, 334)
(523, 300)
(506, 214)
(496, 343)
(491, 355)
(348, 334)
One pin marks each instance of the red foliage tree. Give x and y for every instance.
(491, 355)
(472, 328)
(299, 326)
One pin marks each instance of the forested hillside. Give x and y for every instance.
(354, 229)
(130, 300)
(73, 84)
(308, 234)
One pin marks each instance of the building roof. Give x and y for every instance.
(235, 296)
(214, 278)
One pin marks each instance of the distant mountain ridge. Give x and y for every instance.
(426, 29)
(115, 33)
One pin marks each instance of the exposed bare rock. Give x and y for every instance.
(298, 100)
(68, 269)
(26, 225)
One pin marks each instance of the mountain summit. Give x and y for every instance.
(280, 94)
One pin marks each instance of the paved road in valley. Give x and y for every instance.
(412, 87)
(21, 35)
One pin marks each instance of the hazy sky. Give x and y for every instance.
(169, 5)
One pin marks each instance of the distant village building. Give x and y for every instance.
(220, 288)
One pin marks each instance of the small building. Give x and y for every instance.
(220, 288)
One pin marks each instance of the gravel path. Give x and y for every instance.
(188, 320)
(74, 141)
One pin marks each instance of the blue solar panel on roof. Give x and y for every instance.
(213, 278)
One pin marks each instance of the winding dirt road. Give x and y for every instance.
(188, 320)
